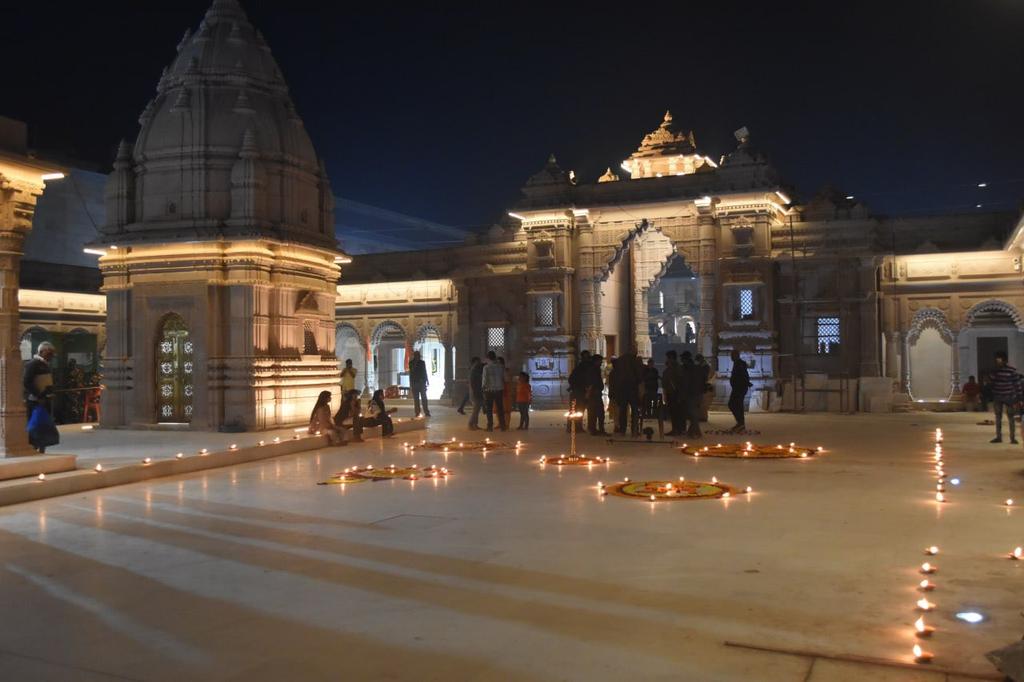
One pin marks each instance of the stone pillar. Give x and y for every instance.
(641, 323)
(893, 348)
(449, 374)
(707, 255)
(17, 206)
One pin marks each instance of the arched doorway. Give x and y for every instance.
(388, 352)
(990, 327)
(673, 310)
(348, 345)
(431, 349)
(175, 372)
(930, 357)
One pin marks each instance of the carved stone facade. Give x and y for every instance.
(220, 258)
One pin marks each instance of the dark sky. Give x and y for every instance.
(443, 113)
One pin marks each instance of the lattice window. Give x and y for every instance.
(828, 335)
(496, 339)
(746, 304)
(544, 311)
(309, 338)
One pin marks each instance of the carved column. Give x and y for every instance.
(707, 254)
(893, 347)
(17, 206)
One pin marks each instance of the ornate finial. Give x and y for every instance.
(668, 117)
(552, 161)
(608, 176)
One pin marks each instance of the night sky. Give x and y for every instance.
(444, 113)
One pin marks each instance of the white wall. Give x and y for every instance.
(931, 366)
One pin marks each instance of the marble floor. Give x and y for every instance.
(511, 571)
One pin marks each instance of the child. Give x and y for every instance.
(524, 394)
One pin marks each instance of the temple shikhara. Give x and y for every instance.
(212, 294)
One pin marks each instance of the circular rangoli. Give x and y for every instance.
(454, 445)
(574, 460)
(657, 491)
(390, 473)
(750, 450)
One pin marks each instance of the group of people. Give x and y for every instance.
(494, 390)
(684, 397)
(350, 417)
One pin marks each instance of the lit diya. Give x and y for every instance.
(750, 450)
(388, 473)
(660, 491)
(453, 445)
(573, 460)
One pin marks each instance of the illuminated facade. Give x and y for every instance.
(219, 257)
(833, 308)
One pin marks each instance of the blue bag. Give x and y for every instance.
(42, 432)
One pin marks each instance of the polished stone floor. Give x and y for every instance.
(510, 571)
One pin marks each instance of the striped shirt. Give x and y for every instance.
(1006, 384)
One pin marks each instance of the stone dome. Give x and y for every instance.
(221, 151)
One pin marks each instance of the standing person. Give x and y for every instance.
(320, 420)
(578, 386)
(476, 391)
(1006, 389)
(671, 385)
(524, 396)
(348, 377)
(349, 415)
(739, 382)
(594, 390)
(971, 391)
(469, 389)
(708, 395)
(509, 394)
(418, 384)
(626, 380)
(650, 389)
(380, 415)
(693, 392)
(493, 385)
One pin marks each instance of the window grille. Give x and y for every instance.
(828, 335)
(496, 339)
(746, 304)
(545, 312)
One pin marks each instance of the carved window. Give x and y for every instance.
(544, 311)
(309, 338)
(496, 339)
(175, 375)
(746, 304)
(828, 335)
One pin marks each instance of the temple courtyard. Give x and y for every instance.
(512, 570)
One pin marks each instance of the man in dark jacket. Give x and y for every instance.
(650, 389)
(626, 380)
(739, 381)
(671, 386)
(595, 396)
(37, 379)
(1006, 395)
(418, 384)
(693, 379)
(578, 385)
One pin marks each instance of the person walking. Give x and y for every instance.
(1006, 395)
(493, 385)
(594, 392)
(524, 396)
(37, 390)
(476, 392)
(320, 421)
(418, 383)
(739, 382)
(469, 389)
(650, 389)
(348, 377)
(972, 392)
